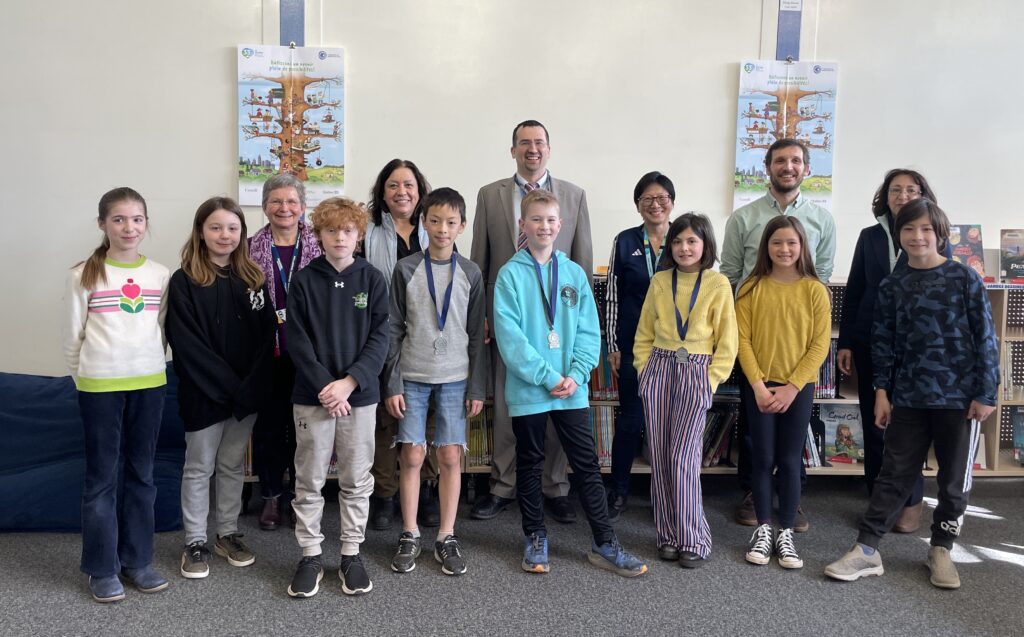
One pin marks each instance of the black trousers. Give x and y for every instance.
(273, 435)
(907, 439)
(574, 432)
(744, 466)
(777, 443)
(874, 438)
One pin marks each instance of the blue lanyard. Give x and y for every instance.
(549, 302)
(652, 265)
(681, 327)
(442, 315)
(291, 267)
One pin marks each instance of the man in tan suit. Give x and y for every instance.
(496, 238)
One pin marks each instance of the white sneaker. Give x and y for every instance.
(785, 550)
(760, 549)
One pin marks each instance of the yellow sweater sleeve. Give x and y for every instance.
(722, 315)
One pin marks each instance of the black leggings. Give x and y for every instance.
(777, 440)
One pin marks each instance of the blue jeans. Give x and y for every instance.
(121, 429)
(449, 414)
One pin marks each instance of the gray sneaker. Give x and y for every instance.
(234, 550)
(449, 555)
(408, 550)
(855, 565)
(195, 561)
(943, 570)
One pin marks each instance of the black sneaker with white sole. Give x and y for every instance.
(404, 560)
(760, 550)
(354, 578)
(306, 582)
(449, 554)
(195, 561)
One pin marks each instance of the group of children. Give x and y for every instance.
(424, 335)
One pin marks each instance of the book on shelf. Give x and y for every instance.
(480, 438)
(979, 453)
(1011, 256)
(604, 385)
(718, 426)
(825, 387)
(844, 431)
(1017, 422)
(811, 455)
(602, 422)
(966, 246)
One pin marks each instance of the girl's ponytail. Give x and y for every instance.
(95, 271)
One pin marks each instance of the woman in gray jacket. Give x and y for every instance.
(395, 232)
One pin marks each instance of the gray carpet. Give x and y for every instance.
(42, 592)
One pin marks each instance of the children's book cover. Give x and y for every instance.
(1017, 418)
(844, 433)
(1011, 256)
(965, 242)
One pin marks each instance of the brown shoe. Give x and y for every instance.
(745, 513)
(801, 523)
(910, 519)
(943, 570)
(270, 517)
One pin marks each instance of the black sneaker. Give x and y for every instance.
(449, 554)
(306, 582)
(408, 550)
(616, 506)
(354, 579)
(195, 561)
(428, 513)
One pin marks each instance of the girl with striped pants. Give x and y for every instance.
(685, 346)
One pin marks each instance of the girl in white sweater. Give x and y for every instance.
(114, 347)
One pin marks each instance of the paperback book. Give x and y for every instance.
(1011, 256)
(965, 243)
(845, 433)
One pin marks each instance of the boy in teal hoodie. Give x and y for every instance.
(546, 325)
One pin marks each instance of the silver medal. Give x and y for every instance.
(440, 345)
(553, 341)
(682, 355)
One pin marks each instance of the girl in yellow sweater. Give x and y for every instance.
(784, 320)
(685, 346)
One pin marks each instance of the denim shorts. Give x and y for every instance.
(449, 414)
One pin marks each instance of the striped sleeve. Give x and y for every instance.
(611, 308)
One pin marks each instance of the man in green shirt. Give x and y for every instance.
(787, 163)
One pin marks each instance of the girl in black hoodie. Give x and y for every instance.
(220, 325)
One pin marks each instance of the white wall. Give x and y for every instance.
(141, 93)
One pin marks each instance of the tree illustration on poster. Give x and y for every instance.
(291, 119)
(785, 100)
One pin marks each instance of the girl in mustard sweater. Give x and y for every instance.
(685, 346)
(784, 320)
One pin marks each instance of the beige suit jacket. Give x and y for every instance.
(496, 228)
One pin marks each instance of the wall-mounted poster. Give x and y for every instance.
(785, 100)
(291, 118)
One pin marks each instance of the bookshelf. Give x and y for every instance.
(834, 388)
